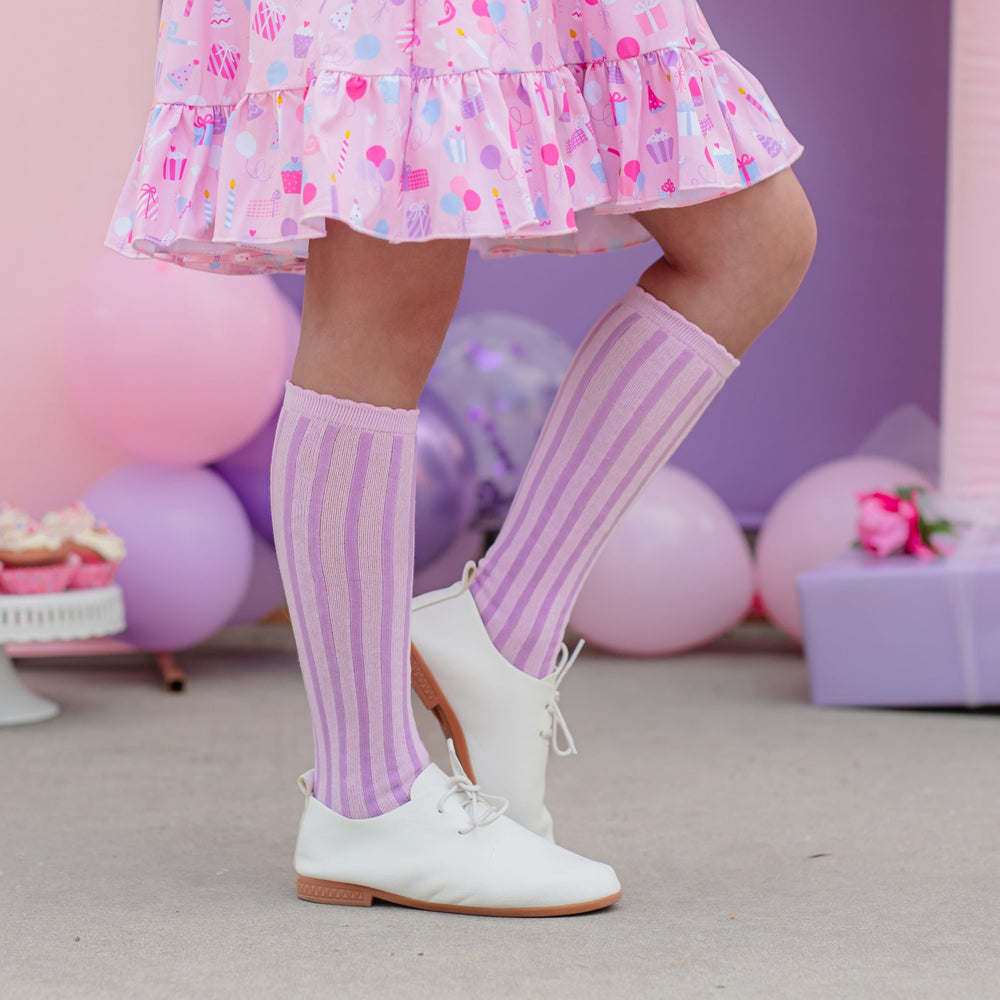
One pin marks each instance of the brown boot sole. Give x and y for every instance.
(316, 890)
(422, 681)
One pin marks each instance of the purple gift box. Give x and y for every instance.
(901, 632)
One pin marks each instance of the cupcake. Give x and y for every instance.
(97, 549)
(291, 176)
(33, 561)
(302, 40)
(100, 552)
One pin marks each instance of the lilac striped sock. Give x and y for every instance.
(636, 386)
(342, 496)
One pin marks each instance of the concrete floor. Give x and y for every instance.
(768, 849)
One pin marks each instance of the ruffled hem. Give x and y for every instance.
(543, 161)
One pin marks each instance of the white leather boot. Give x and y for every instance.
(502, 721)
(449, 848)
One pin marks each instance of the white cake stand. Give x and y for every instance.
(70, 615)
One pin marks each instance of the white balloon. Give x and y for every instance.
(246, 144)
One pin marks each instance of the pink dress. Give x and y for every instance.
(523, 125)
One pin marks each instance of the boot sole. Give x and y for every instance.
(422, 681)
(315, 890)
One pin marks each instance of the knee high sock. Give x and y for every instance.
(342, 492)
(636, 386)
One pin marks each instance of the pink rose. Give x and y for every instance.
(888, 524)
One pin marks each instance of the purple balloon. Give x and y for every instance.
(292, 286)
(490, 157)
(446, 480)
(264, 592)
(190, 551)
(247, 471)
(253, 488)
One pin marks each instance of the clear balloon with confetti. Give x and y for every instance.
(499, 373)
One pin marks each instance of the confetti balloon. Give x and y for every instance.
(446, 480)
(499, 373)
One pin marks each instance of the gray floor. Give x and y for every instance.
(768, 849)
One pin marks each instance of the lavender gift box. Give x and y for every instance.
(901, 632)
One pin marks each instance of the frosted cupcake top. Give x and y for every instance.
(102, 541)
(29, 539)
(67, 521)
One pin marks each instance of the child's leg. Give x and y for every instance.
(636, 387)
(374, 318)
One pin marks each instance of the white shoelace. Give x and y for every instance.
(482, 809)
(564, 661)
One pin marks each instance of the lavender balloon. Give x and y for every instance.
(446, 480)
(264, 592)
(499, 373)
(190, 551)
(247, 472)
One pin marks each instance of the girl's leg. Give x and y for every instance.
(374, 318)
(380, 821)
(636, 387)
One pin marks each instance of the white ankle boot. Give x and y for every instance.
(449, 848)
(502, 721)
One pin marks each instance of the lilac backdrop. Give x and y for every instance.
(863, 84)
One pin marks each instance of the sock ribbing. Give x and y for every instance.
(343, 500)
(636, 387)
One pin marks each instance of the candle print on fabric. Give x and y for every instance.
(522, 125)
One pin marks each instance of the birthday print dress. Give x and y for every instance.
(523, 125)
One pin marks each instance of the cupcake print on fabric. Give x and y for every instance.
(523, 125)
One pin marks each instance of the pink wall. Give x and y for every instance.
(77, 127)
(971, 410)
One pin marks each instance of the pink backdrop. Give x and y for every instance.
(971, 407)
(71, 158)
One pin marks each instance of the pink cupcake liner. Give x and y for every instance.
(90, 575)
(38, 579)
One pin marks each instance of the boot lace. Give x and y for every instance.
(482, 809)
(559, 731)
(557, 735)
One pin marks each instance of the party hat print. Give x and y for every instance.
(180, 76)
(341, 18)
(254, 110)
(220, 16)
(655, 104)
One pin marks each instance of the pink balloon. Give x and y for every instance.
(631, 169)
(550, 154)
(472, 200)
(172, 365)
(675, 574)
(570, 176)
(356, 87)
(190, 551)
(376, 154)
(628, 47)
(459, 185)
(813, 521)
(486, 26)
